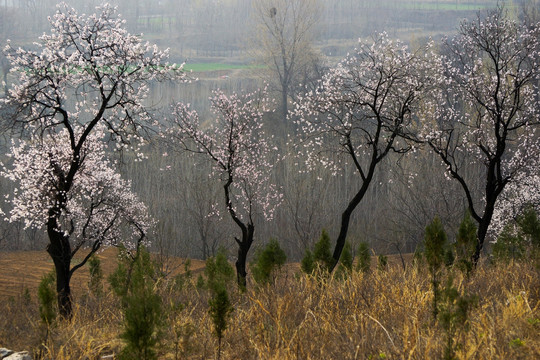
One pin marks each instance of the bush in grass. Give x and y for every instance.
(200, 284)
(519, 238)
(322, 252)
(183, 332)
(266, 261)
(321, 257)
(95, 284)
(453, 315)
(345, 262)
(47, 298)
(346, 259)
(187, 269)
(449, 256)
(308, 262)
(382, 262)
(364, 257)
(418, 258)
(530, 228)
(510, 244)
(434, 252)
(220, 308)
(134, 281)
(26, 297)
(119, 279)
(219, 273)
(435, 244)
(182, 279)
(465, 243)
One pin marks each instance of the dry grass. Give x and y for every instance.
(374, 316)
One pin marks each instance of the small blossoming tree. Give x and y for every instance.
(85, 83)
(240, 153)
(360, 112)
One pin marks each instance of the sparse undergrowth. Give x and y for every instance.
(381, 314)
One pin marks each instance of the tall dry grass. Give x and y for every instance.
(367, 316)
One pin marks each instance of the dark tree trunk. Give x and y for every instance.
(247, 237)
(480, 237)
(243, 250)
(346, 217)
(481, 234)
(60, 251)
(59, 247)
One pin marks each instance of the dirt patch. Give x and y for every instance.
(22, 270)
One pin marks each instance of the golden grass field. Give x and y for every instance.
(380, 315)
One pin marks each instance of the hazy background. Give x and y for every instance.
(218, 40)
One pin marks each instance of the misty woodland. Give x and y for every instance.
(274, 179)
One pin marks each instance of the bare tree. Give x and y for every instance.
(283, 41)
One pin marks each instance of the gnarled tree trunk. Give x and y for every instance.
(243, 248)
(59, 249)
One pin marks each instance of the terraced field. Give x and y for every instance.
(24, 270)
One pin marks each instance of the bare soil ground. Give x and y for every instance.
(22, 270)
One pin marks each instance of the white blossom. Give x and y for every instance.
(236, 145)
(100, 206)
(484, 115)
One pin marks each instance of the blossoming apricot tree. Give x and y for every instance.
(241, 154)
(85, 83)
(485, 110)
(360, 112)
(98, 210)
